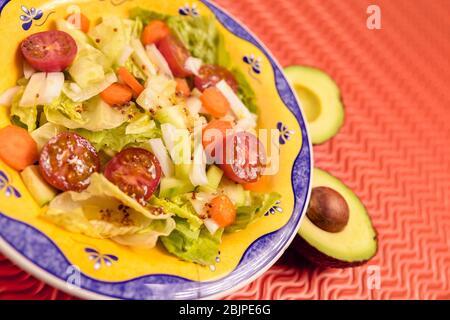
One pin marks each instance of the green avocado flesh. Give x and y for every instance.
(352, 246)
(320, 100)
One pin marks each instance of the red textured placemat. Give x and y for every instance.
(393, 150)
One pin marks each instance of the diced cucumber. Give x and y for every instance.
(39, 189)
(173, 115)
(171, 187)
(214, 175)
(235, 192)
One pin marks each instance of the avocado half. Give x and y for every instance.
(350, 247)
(320, 99)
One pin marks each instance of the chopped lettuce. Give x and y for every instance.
(116, 139)
(78, 94)
(80, 37)
(44, 133)
(110, 37)
(141, 124)
(193, 245)
(160, 92)
(68, 108)
(185, 211)
(135, 70)
(25, 117)
(245, 91)
(147, 15)
(202, 38)
(92, 115)
(147, 238)
(259, 204)
(103, 211)
(199, 34)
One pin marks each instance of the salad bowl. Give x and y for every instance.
(99, 268)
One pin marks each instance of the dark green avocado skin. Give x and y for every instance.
(320, 259)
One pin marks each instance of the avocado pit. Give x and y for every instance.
(328, 210)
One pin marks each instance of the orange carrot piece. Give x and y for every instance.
(220, 127)
(154, 31)
(182, 88)
(17, 148)
(222, 211)
(214, 102)
(117, 94)
(130, 81)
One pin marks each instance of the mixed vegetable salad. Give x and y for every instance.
(123, 130)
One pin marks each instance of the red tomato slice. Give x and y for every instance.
(49, 51)
(67, 162)
(175, 54)
(243, 157)
(136, 172)
(210, 74)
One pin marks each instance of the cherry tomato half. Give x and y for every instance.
(210, 74)
(67, 162)
(136, 172)
(175, 54)
(243, 157)
(49, 51)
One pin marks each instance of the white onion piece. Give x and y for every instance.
(33, 90)
(126, 53)
(238, 107)
(200, 200)
(53, 87)
(193, 64)
(198, 171)
(141, 58)
(246, 124)
(158, 59)
(194, 105)
(211, 225)
(169, 134)
(7, 97)
(28, 70)
(160, 152)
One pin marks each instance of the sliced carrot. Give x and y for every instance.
(222, 210)
(182, 88)
(215, 131)
(154, 31)
(117, 94)
(17, 148)
(214, 102)
(130, 81)
(260, 185)
(80, 21)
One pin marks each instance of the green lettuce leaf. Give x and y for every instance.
(245, 91)
(148, 237)
(68, 108)
(92, 115)
(202, 38)
(193, 245)
(45, 132)
(103, 211)
(184, 211)
(258, 205)
(25, 117)
(116, 139)
(110, 37)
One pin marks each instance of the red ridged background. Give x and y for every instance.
(393, 150)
